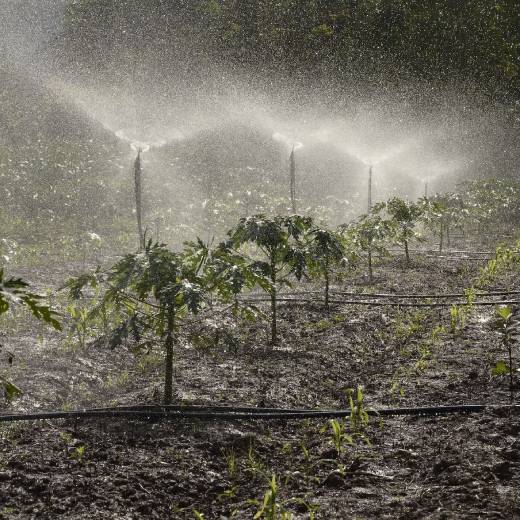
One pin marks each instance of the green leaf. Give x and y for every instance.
(11, 391)
(504, 312)
(501, 369)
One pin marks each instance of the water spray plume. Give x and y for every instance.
(291, 143)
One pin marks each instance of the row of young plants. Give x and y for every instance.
(149, 294)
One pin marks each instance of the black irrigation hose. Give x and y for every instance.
(470, 258)
(444, 251)
(231, 414)
(380, 303)
(397, 295)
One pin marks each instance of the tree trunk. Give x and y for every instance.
(327, 285)
(370, 272)
(407, 252)
(274, 334)
(448, 238)
(168, 369)
(441, 237)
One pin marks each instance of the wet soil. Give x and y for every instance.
(439, 468)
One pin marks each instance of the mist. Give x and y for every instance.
(200, 122)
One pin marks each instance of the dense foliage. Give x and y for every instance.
(468, 39)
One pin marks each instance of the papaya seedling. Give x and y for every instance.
(404, 219)
(14, 292)
(370, 235)
(509, 329)
(153, 291)
(279, 240)
(326, 250)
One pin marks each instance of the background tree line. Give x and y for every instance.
(441, 40)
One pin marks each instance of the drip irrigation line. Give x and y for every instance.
(444, 251)
(397, 295)
(425, 296)
(384, 303)
(233, 414)
(471, 258)
(208, 408)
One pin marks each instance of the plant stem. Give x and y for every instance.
(407, 252)
(327, 285)
(168, 369)
(274, 335)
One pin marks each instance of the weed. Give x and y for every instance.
(255, 466)
(305, 451)
(326, 324)
(409, 327)
(231, 462)
(228, 493)
(117, 381)
(78, 453)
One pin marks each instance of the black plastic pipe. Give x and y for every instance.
(232, 414)
(381, 303)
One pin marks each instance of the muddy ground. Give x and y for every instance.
(440, 467)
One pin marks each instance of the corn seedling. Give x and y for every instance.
(358, 415)
(271, 508)
(339, 435)
(457, 318)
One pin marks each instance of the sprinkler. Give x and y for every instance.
(138, 171)
(370, 170)
(292, 176)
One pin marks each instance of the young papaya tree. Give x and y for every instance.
(326, 250)
(279, 240)
(440, 214)
(14, 292)
(226, 273)
(404, 219)
(369, 235)
(153, 290)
